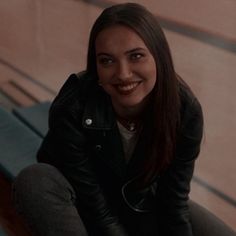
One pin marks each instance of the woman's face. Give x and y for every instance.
(125, 66)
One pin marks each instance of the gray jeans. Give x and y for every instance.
(46, 200)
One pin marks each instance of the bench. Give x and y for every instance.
(21, 133)
(2, 233)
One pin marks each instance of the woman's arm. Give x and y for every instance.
(65, 147)
(174, 184)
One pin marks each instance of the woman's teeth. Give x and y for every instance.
(128, 87)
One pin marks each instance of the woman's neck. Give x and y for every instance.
(131, 112)
(128, 113)
(129, 119)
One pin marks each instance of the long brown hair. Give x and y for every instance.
(160, 128)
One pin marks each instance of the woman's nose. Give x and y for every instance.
(124, 71)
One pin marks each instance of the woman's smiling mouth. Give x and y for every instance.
(126, 88)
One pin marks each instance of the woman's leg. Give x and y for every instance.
(46, 201)
(204, 223)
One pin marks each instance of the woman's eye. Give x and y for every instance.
(136, 56)
(105, 61)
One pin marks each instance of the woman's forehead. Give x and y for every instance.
(118, 37)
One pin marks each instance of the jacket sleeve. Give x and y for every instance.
(65, 147)
(174, 185)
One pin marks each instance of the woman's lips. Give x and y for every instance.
(126, 88)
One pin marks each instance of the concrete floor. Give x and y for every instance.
(42, 42)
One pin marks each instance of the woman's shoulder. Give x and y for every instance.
(74, 91)
(188, 100)
(75, 87)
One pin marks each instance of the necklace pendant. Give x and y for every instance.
(132, 127)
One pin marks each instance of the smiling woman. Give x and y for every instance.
(122, 141)
(126, 69)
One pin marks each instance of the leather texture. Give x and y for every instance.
(84, 143)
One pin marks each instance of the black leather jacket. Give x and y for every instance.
(84, 143)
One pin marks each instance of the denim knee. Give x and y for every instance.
(40, 184)
(46, 201)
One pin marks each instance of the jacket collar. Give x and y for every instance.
(98, 112)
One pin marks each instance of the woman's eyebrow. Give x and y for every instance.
(135, 50)
(103, 54)
(126, 52)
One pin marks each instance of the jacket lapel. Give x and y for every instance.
(99, 118)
